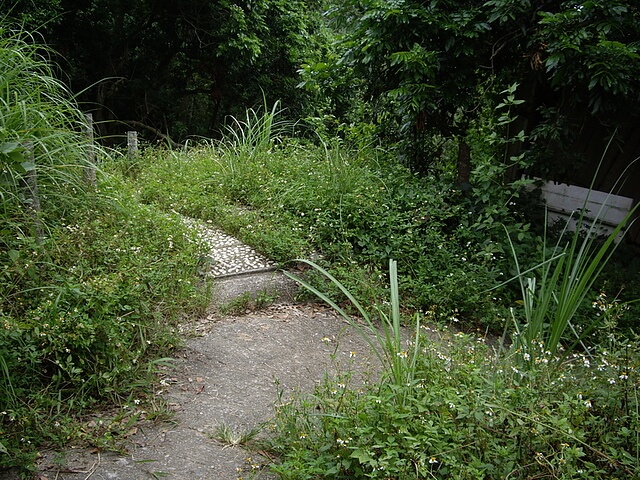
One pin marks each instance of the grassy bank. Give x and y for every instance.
(90, 279)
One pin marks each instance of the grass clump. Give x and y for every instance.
(386, 340)
(555, 290)
(470, 416)
(40, 128)
(233, 437)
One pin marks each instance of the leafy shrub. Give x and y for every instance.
(457, 409)
(470, 417)
(83, 325)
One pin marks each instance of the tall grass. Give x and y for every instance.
(254, 136)
(40, 128)
(86, 308)
(41, 145)
(386, 340)
(554, 290)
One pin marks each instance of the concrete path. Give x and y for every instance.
(227, 255)
(231, 376)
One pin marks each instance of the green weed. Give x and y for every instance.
(233, 437)
(469, 415)
(238, 305)
(385, 341)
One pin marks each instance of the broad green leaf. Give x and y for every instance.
(8, 147)
(28, 166)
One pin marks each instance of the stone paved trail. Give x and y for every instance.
(227, 255)
(230, 373)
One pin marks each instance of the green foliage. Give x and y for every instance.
(84, 314)
(358, 209)
(496, 197)
(39, 124)
(588, 50)
(554, 290)
(469, 415)
(356, 212)
(453, 412)
(428, 68)
(181, 68)
(387, 342)
(417, 63)
(90, 280)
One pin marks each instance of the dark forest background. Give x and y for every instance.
(408, 73)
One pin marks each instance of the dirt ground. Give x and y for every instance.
(230, 373)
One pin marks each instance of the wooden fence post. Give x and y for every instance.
(132, 144)
(31, 197)
(89, 173)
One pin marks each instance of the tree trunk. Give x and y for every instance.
(464, 166)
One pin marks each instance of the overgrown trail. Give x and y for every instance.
(230, 374)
